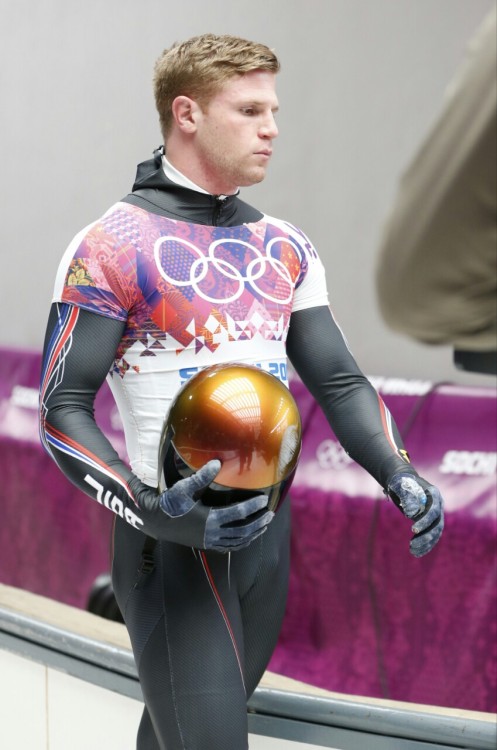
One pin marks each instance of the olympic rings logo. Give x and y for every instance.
(256, 269)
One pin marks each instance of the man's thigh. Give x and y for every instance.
(185, 626)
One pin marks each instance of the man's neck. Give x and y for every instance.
(177, 175)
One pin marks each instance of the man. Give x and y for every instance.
(179, 275)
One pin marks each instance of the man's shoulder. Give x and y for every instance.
(118, 213)
(291, 230)
(116, 221)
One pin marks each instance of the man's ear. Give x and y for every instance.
(185, 112)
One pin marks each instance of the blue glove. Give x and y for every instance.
(420, 501)
(179, 515)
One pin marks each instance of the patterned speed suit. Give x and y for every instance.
(170, 280)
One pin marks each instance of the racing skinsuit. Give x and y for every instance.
(168, 281)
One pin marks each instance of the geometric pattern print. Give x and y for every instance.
(216, 331)
(186, 286)
(223, 284)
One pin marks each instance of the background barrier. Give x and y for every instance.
(69, 681)
(363, 617)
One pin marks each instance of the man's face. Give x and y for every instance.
(235, 130)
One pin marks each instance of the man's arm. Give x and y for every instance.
(360, 420)
(79, 350)
(78, 353)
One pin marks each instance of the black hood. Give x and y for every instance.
(155, 192)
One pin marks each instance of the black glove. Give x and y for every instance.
(422, 503)
(178, 515)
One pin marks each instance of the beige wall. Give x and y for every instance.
(361, 82)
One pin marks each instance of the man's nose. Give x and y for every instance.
(269, 129)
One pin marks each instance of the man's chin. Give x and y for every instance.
(255, 176)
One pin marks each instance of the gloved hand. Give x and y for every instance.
(422, 503)
(178, 515)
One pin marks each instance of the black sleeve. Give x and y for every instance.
(357, 415)
(79, 351)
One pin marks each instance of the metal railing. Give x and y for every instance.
(323, 721)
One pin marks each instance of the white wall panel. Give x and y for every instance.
(82, 715)
(23, 720)
(44, 709)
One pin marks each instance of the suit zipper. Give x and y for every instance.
(220, 201)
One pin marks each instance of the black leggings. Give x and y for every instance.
(203, 626)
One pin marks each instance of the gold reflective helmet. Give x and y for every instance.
(243, 416)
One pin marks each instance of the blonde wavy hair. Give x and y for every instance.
(199, 67)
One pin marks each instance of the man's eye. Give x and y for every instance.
(248, 111)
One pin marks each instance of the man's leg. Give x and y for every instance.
(185, 626)
(263, 586)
